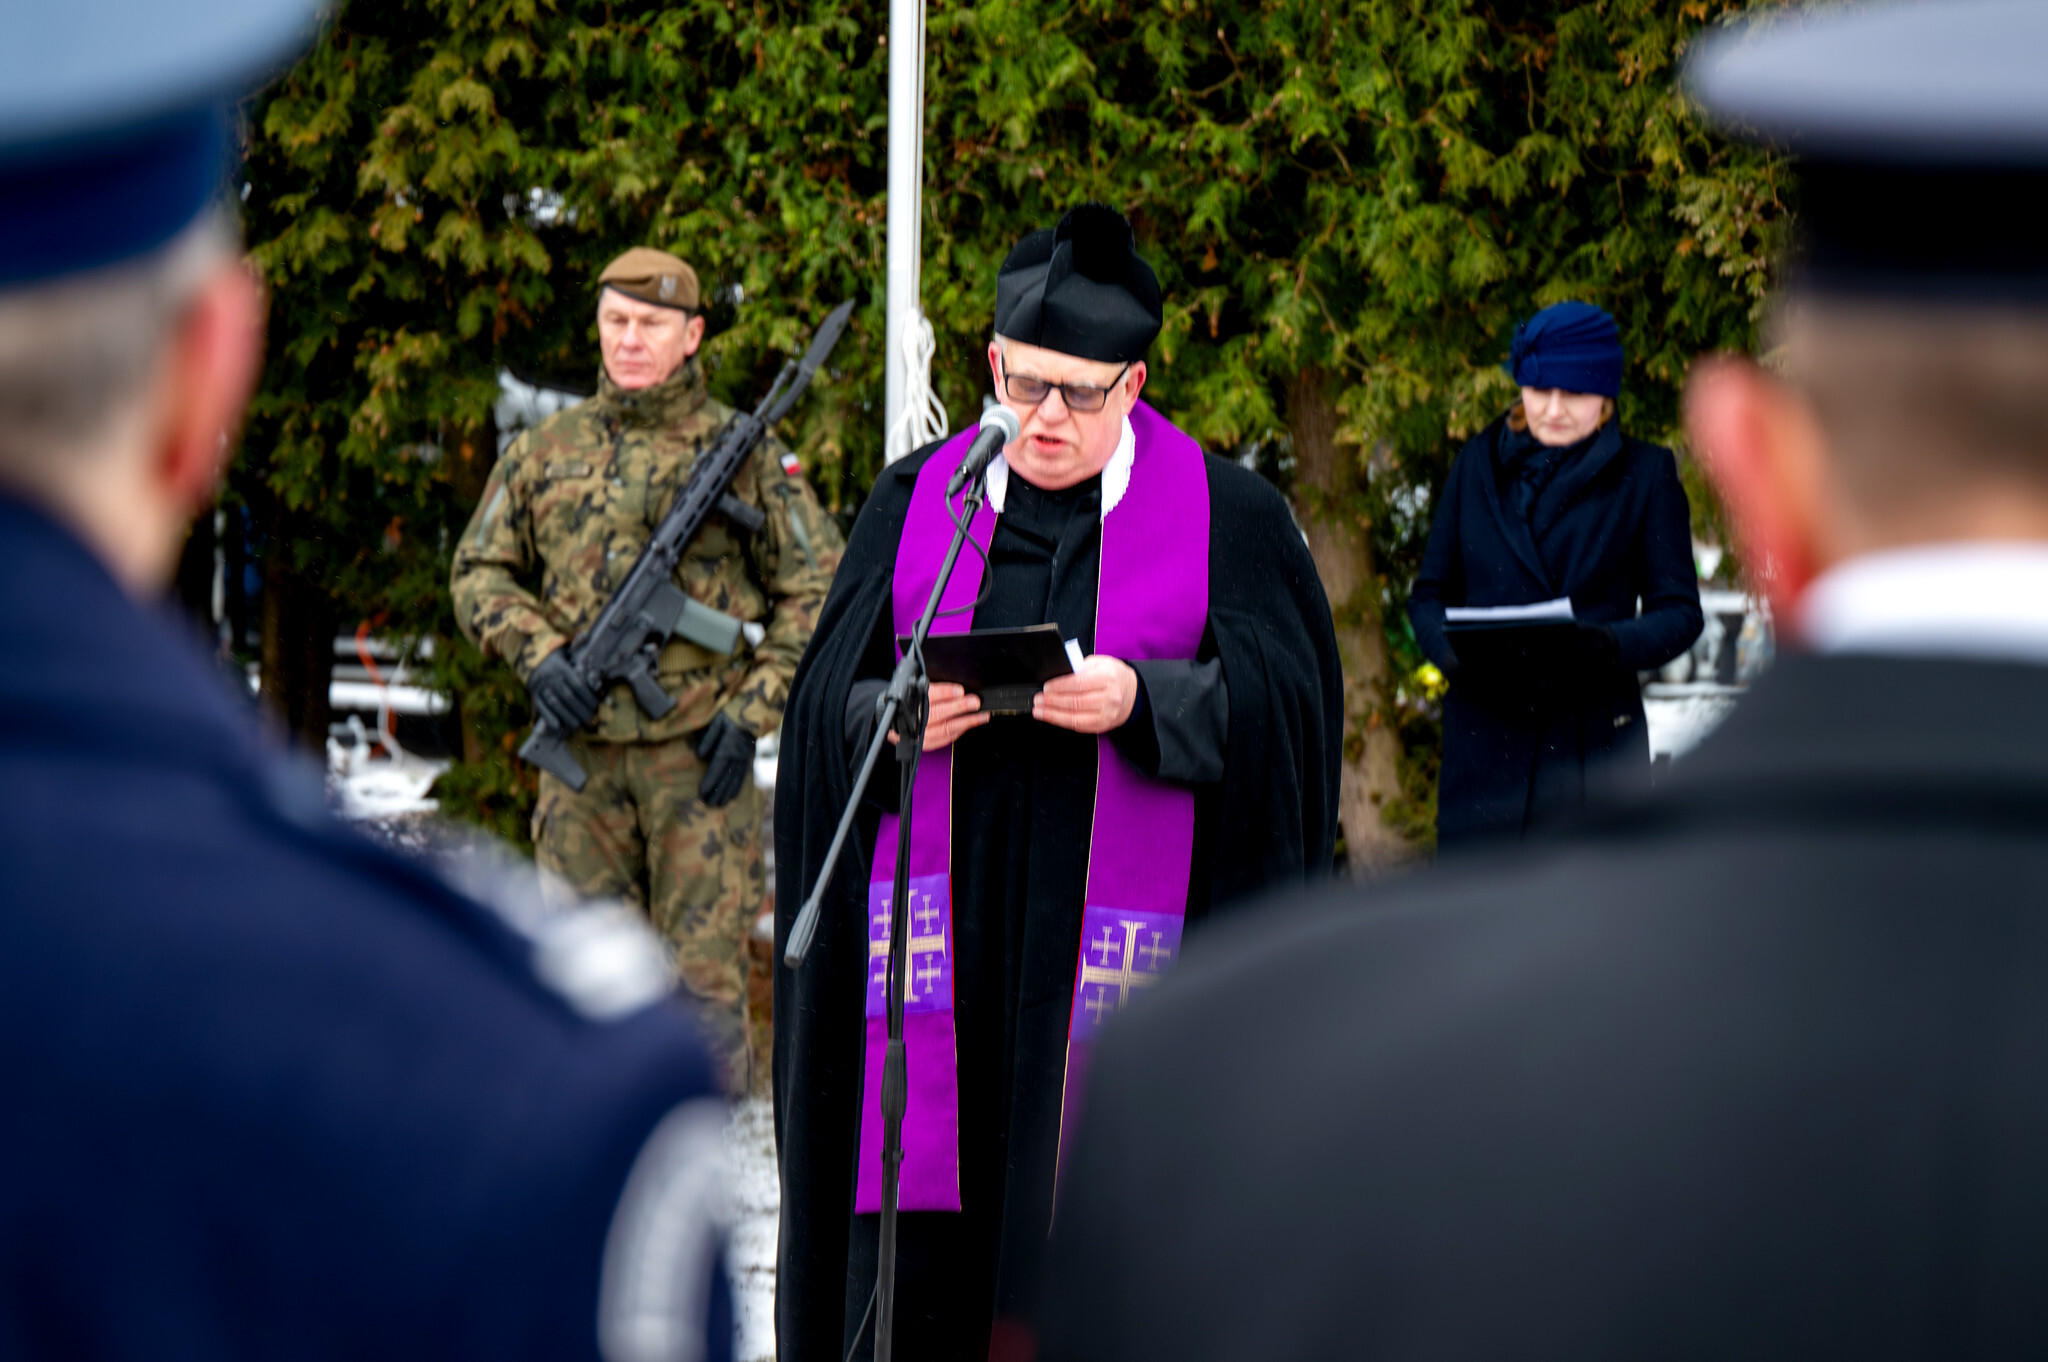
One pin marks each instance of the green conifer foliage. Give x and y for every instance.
(1349, 205)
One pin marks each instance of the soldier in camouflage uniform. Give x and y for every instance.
(670, 819)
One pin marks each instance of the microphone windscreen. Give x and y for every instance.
(1000, 417)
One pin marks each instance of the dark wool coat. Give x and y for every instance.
(1612, 528)
(1748, 1069)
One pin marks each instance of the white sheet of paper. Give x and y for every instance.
(1559, 609)
(1074, 656)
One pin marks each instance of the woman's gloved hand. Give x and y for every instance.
(561, 694)
(727, 751)
(1599, 649)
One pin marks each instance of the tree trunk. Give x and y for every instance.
(298, 637)
(1328, 486)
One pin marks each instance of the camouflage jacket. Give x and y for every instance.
(574, 500)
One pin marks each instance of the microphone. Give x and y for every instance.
(999, 426)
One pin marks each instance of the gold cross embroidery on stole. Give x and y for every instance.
(931, 942)
(1125, 974)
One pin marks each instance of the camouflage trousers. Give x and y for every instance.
(638, 832)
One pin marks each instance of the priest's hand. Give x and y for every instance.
(1096, 699)
(951, 713)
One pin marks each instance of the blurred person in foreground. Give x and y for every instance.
(1056, 856)
(1758, 1067)
(270, 1091)
(670, 820)
(1551, 501)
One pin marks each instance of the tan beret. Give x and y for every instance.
(653, 277)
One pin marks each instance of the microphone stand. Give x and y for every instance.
(903, 707)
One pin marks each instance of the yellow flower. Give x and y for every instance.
(1430, 680)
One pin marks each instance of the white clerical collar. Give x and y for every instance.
(1985, 600)
(1116, 474)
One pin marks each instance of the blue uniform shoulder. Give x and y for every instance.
(357, 1082)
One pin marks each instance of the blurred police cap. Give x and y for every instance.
(113, 119)
(1922, 132)
(1897, 81)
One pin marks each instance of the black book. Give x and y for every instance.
(1005, 667)
(1507, 640)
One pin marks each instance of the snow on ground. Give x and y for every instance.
(757, 1198)
(372, 778)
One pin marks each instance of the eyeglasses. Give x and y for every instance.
(1082, 397)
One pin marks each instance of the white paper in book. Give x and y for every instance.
(1541, 612)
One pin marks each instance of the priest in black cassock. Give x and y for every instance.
(1191, 760)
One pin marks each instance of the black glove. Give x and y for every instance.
(562, 696)
(1599, 649)
(727, 751)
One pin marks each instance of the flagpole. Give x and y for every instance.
(906, 158)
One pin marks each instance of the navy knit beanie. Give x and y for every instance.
(1573, 346)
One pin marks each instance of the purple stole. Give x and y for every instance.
(1152, 601)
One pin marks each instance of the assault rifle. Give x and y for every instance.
(624, 640)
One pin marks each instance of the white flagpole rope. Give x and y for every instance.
(924, 417)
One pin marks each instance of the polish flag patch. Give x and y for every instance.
(790, 465)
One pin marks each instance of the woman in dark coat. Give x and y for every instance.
(1553, 500)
